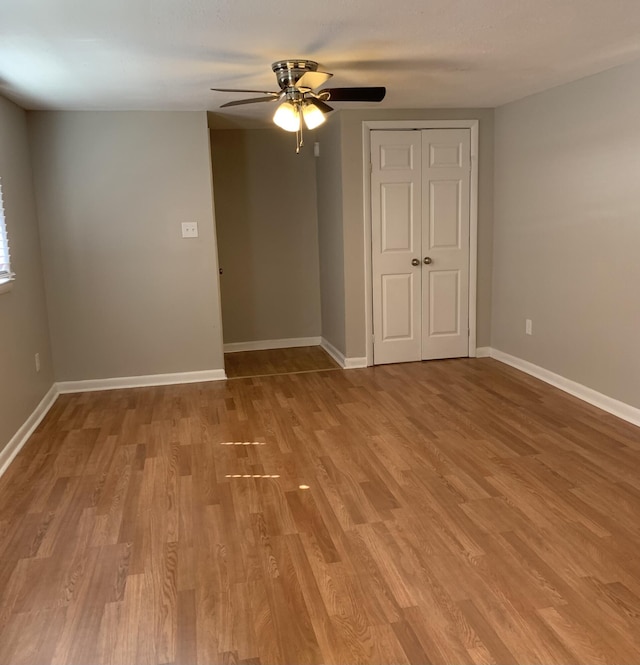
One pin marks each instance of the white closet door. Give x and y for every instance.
(420, 214)
(396, 185)
(446, 169)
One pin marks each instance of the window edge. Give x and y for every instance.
(6, 285)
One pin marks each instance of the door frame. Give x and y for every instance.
(367, 127)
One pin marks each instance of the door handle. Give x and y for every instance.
(427, 260)
(415, 262)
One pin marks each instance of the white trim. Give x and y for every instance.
(8, 453)
(620, 409)
(420, 124)
(264, 344)
(473, 238)
(338, 356)
(92, 385)
(355, 363)
(367, 127)
(483, 352)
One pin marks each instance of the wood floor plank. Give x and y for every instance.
(444, 512)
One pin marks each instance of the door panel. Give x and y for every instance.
(446, 155)
(397, 156)
(397, 232)
(445, 215)
(444, 302)
(397, 299)
(396, 167)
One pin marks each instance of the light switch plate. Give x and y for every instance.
(189, 229)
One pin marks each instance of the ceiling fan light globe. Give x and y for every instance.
(287, 117)
(313, 116)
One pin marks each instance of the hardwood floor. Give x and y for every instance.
(444, 512)
(277, 361)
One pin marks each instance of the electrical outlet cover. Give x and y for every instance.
(189, 229)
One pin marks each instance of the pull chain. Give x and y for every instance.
(299, 137)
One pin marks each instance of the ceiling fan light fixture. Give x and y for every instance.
(287, 116)
(301, 98)
(313, 116)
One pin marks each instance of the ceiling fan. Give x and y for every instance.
(301, 102)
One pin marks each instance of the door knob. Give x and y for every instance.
(415, 262)
(427, 260)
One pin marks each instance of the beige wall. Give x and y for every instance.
(127, 295)
(23, 313)
(267, 228)
(567, 231)
(353, 214)
(330, 232)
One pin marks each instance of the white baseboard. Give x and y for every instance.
(483, 352)
(620, 409)
(340, 358)
(8, 453)
(92, 385)
(265, 344)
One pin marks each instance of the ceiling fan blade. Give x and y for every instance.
(261, 92)
(313, 80)
(363, 94)
(253, 100)
(318, 103)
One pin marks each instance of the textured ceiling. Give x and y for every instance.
(166, 54)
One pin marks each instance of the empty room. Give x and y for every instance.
(319, 332)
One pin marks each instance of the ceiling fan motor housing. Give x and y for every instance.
(289, 72)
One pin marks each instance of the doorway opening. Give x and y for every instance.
(267, 235)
